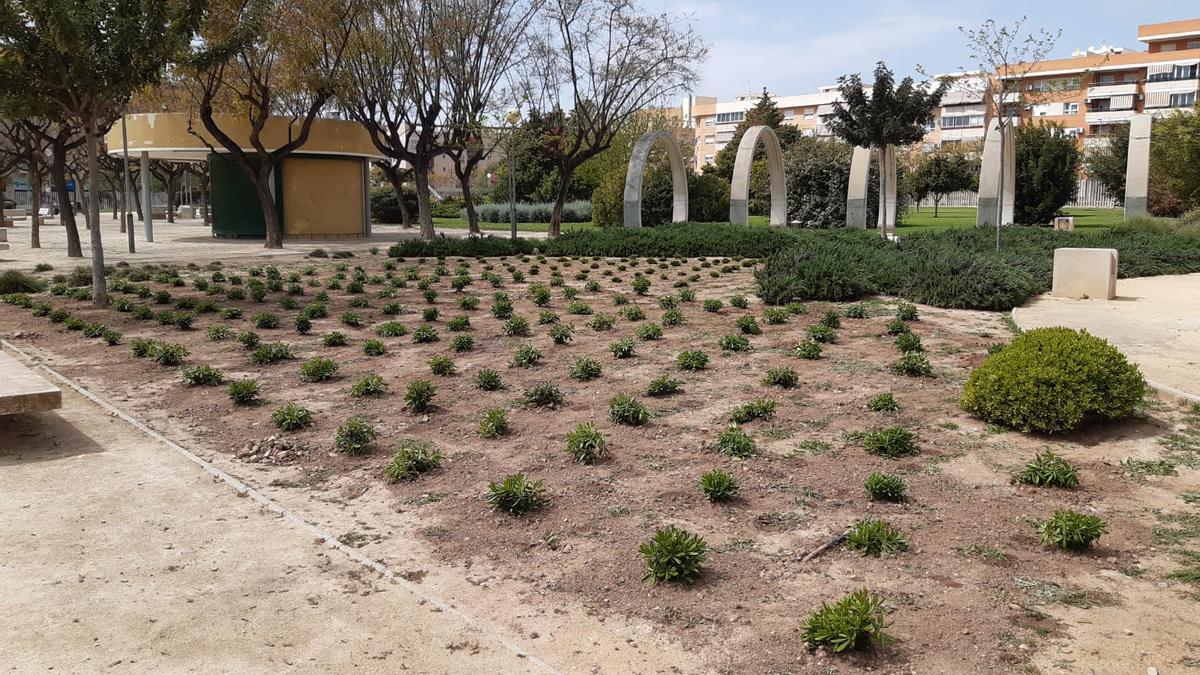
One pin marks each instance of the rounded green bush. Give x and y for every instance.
(1053, 380)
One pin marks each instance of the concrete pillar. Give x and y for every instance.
(739, 189)
(887, 193)
(147, 197)
(1137, 171)
(632, 213)
(856, 192)
(990, 189)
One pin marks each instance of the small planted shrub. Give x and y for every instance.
(462, 343)
(419, 395)
(374, 348)
(390, 329)
(544, 395)
(809, 349)
(203, 375)
(526, 356)
(674, 555)
(517, 326)
(264, 320)
(244, 391)
(1070, 530)
(369, 386)
(425, 334)
(907, 312)
(272, 352)
(692, 360)
(650, 331)
(892, 442)
(633, 313)
(885, 488)
(875, 537)
(1049, 470)
(663, 385)
(548, 318)
(442, 365)
(713, 305)
(351, 319)
(318, 369)
(627, 410)
(622, 349)
(718, 486)
(303, 325)
(673, 317)
(640, 285)
(856, 311)
(734, 343)
(898, 327)
(458, 324)
(169, 353)
(517, 495)
(1053, 380)
(580, 308)
(913, 364)
(733, 442)
(585, 368)
(819, 332)
(488, 380)
(493, 424)
(429, 314)
(884, 402)
(561, 333)
(291, 416)
(739, 301)
(748, 325)
(586, 444)
(760, 409)
(776, 316)
(909, 342)
(356, 436)
(602, 322)
(412, 458)
(855, 622)
(334, 338)
(831, 319)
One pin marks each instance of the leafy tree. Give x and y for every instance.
(80, 62)
(818, 171)
(1107, 162)
(1048, 162)
(943, 173)
(890, 115)
(764, 113)
(1175, 156)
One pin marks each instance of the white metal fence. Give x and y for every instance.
(1091, 195)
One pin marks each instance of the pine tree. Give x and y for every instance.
(764, 113)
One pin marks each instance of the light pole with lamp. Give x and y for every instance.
(128, 186)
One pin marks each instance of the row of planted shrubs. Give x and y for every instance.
(573, 212)
(952, 268)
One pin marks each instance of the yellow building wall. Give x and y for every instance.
(323, 197)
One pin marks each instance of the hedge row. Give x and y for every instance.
(573, 212)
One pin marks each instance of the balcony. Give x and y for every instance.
(1109, 116)
(1110, 90)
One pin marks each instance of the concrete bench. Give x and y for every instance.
(1066, 223)
(3, 239)
(24, 391)
(1085, 273)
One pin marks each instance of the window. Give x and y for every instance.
(1183, 100)
(730, 118)
(709, 121)
(1177, 72)
(962, 121)
(808, 114)
(1168, 47)
(789, 114)
(1070, 108)
(1195, 44)
(1106, 79)
(708, 159)
(710, 139)
(1041, 110)
(1131, 78)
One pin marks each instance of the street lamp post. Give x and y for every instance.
(128, 215)
(513, 118)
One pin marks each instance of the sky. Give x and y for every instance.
(793, 47)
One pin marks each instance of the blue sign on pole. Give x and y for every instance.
(70, 185)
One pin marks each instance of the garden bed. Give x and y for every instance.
(974, 591)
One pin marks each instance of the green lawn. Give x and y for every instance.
(956, 216)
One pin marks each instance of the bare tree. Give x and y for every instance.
(26, 144)
(169, 173)
(1011, 54)
(596, 64)
(257, 59)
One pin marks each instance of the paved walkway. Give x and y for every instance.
(1155, 321)
(118, 553)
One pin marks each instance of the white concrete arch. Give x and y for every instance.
(990, 189)
(1137, 169)
(856, 190)
(739, 191)
(636, 172)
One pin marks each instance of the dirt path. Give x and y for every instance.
(119, 553)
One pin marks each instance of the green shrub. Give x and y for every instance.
(718, 486)
(488, 380)
(1049, 470)
(111, 337)
(419, 395)
(318, 369)
(264, 320)
(673, 317)
(875, 537)
(734, 343)
(390, 329)
(627, 410)
(272, 352)
(1053, 380)
(650, 331)
(1070, 530)
(586, 444)
(692, 360)
(462, 343)
(602, 322)
(493, 424)
(857, 621)
(585, 368)
(809, 349)
(884, 402)
(892, 442)
(907, 312)
(356, 436)
(411, 459)
(16, 281)
(819, 332)
(622, 349)
(204, 375)
(856, 311)
(633, 313)
(800, 274)
(884, 488)
(831, 319)
(517, 495)
(517, 326)
(334, 338)
(675, 555)
(909, 342)
(244, 391)
(781, 377)
(369, 385)
(663, 385)
(640, 285)
(441, 365)
(561, 333)
(544, 395)
(526, 356)
(759, 409)
(459, 324)
(748, 325)
(897, 327)
(913, 364)
(169, 353)
(374, 348)
(713, 305)
(425, 334)
(734, 442)
(291, 416)
(739, 301)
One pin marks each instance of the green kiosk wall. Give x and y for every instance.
(235, 208)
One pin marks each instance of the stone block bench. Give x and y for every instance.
(1085, 273)
(24, 391)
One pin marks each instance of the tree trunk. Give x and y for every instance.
(936, 201)
(266, 201)
(424, 212)
(66, 211)
(172, 184)
(99, 287)
(469, 204)
(560, 200)
(398, 185)
(35, 205)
